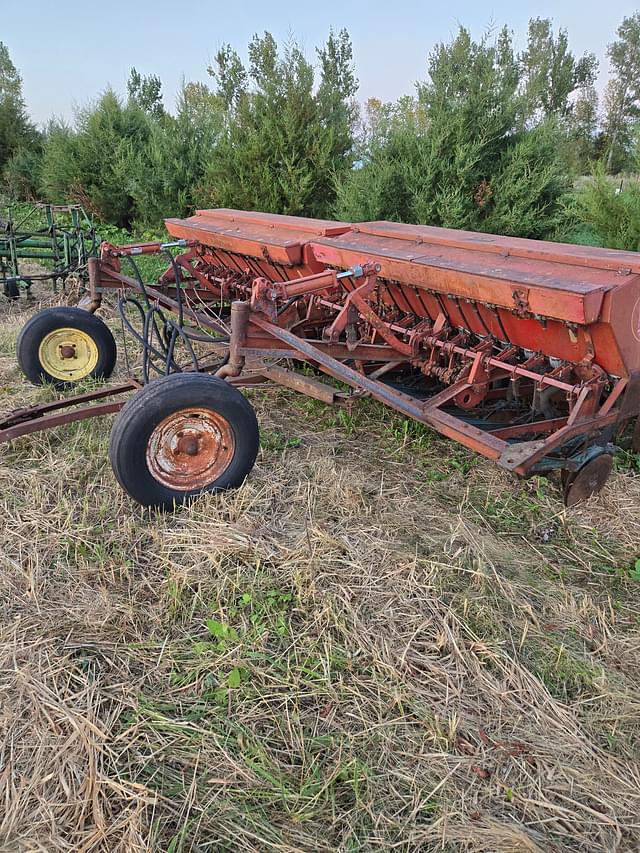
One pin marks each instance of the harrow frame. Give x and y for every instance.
(41, 235)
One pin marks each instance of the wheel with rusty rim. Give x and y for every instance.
(183, 435)
(65, 345)
(587, 480)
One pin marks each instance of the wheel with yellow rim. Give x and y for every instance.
(65, 345)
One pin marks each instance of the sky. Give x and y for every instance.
(69, 51)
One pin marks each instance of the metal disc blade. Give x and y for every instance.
(588, 480)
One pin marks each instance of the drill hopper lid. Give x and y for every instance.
(555, 280)
(272, 236)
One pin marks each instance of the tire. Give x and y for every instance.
(48, 333)
(181, 436)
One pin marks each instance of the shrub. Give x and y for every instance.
(92, 163)
(611, 211)
(283, 140)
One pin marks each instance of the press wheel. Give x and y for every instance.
(587, 480)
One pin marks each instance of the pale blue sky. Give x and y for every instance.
(67, 51)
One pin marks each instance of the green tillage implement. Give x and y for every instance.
(60, 237)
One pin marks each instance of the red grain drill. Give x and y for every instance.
(525, 351)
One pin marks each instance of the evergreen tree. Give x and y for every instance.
(612, 214)
(282, 143)
(22, 172)
(460, 154)
(92, 163)
(167, 173)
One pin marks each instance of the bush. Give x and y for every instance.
(92, 165)
(166, 175)
(529, 186)
(22, 174)
(283, 141)
(612, 212)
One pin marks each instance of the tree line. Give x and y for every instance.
(491, 139)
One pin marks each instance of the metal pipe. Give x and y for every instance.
(29, 242)
(95, 296)
(239, 321)
(48, 256)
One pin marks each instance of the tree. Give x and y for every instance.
(582, 127)
(612, 213)
(551, 73)
(526, 192)
(230, 75)
(337, 110)
(92, 163)
(388, 162)
(22, 172)
(471, 110)
(16, 131)
(460, 154)
(283, 143)
(167, 173)
(146, 92)
(622, 97)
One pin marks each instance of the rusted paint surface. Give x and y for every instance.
(593, 257)
(190, 449)
(571, 299)
(587, 480)
(261, 235)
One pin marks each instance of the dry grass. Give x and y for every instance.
(380, 642)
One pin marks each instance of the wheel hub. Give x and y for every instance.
(190, 449)
(68, 354)
(188, 443)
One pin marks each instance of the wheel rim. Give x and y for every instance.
(190, 449)
(68, 354)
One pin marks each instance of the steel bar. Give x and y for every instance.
(60, 419)
(47, 415)
(446, 424)
(298, 382)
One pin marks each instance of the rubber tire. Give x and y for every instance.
(43, 323)
(156, 401)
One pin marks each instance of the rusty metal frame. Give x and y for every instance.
(518, 458)
(326, 336)
(60, 412)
